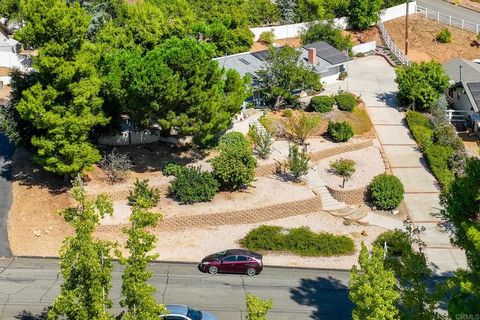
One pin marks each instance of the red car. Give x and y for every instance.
(232, 261)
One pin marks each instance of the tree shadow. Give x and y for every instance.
(28, 315)
(389, 98)
(6, 151)
(328, 296)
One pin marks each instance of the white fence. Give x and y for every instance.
(130, 137)
(392, 46)
(364, 47)
(449, 20)
(293, 30)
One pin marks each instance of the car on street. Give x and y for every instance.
(232, 261)
(182, 312)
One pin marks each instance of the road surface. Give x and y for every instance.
(28, 285)
(450, 9)
(6, 150)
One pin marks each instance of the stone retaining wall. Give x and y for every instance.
(272, 168)
(355, 196)
(278, 211)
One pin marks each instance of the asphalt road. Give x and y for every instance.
(28, 285)
(6, 150)
(450, 9)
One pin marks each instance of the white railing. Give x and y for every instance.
(392, 46)
(448, 19)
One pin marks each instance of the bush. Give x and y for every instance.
(172, 169)
(344, 168)
(386, 191)
(328, 32)
(262, 141)
(269, 124)
(301, 241)
(267, 37)
(438, 160)
(257, 309)
(116, 166)
(445, 135)
(287, 113)
(420, 126)
(192, 185)
(301, 126)
(444, 36)
(343, 75)
(234, 168)
(340, 131)
(321, 104)
(398, 242)
(346, 101)
(144, 196)
(297, 161)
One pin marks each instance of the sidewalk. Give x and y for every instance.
(374, 80)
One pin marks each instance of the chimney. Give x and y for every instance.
(312, 55)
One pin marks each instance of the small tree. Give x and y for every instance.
(267, 37)
(136, 291)
(116, 166)
(143, 195)
(301, 126)
(439, 114)
(85, 262)
(328, 32)
(364, 13)
(298, 161)
(344, 168)
(257, 309)
(262, 141)
(372, 288)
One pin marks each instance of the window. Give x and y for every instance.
(229, 258)
(242, 258)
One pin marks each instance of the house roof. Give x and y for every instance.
(465, 73)
(5, 30)
(248, 63)
(9, 43)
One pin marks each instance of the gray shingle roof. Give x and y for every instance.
(470, 70)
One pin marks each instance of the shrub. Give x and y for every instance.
(262, 141)
(340, 131)
(344, 168)
(287, 113)
(437, 158)
(301, 126)
(191, 185)
(257, 309)
(343, 75)
(321, 104)
(445, 135)
(346, 101)
(267, 37)
(234, 167)
(172, 169)
(326, 31)
(420, 126)
(116, 166)
(269, 124)
(439, 113)
(297, 161)
(444, 36)
(235, 140)
(386, 191)
(457, 162)
(301, 241)
(144, 196)
(399, 245)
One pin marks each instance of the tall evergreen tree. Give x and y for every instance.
(372, 288)
(85, 262)
(364, 13)
(287, 10)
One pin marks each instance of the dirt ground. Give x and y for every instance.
(193, 244)
(422, 43)
(292, 42)
(4, 71)
(359, 37)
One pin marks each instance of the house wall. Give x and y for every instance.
(13, 60)
(461, 101)
(364, 47)
(136, 137)
(2, 37)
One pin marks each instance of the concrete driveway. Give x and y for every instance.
(373, 79)
(6, 150)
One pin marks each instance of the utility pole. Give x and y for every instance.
(406, 28)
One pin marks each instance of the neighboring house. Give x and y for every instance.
(10, 56)
(327, 60)
(464, 91)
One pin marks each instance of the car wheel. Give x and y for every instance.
(212, 270)
(251, 272)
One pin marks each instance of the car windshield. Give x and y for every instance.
(194, 314)
(220, 254)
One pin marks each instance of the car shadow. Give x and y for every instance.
(28, 315)
(328, 296)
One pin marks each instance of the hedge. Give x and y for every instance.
(301, 241)
(321, 104)
(420, 126)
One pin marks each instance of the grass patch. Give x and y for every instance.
(301, 241)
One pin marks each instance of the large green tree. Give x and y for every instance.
(364, 13)
(372, 288)
(462, 203)
(328, 32)
(421, 84)
(283, 73)
(136, 291)
(85, 262)
(178, 86)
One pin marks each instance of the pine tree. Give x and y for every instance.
(372, 288)
(287, 10)
(85, 262)
(136, 292)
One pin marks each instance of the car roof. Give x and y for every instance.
(232, 252)
(177, 309)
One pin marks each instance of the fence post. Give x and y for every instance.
(463, 21)
(449, 20)
(438, 15)
(477, 29)
(426, 12)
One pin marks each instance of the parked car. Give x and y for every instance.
(181, 312)
(232, 261)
